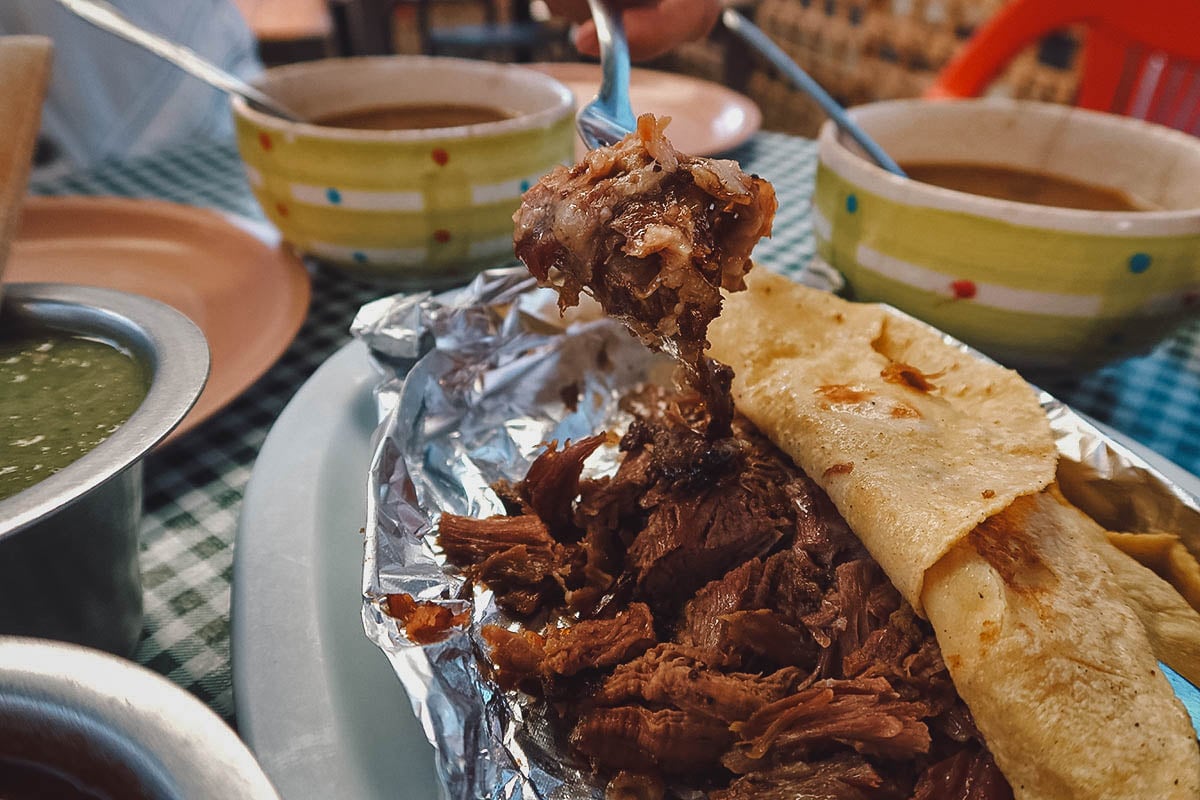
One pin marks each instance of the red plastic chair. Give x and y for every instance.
(1140, 59)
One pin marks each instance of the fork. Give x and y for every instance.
(609, 116)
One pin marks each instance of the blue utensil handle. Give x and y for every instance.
(753, 36)
(1188, 694)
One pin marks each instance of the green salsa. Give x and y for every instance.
(60, 396)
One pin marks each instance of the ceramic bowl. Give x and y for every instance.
(1034, 286)
(69, 543)
(418, 207)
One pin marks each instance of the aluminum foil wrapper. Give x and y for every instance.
(474, 382)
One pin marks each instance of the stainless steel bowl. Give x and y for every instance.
(69, 544)
(115, 728)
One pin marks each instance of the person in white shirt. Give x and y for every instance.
(108, 98)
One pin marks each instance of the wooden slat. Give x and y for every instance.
(24, 75)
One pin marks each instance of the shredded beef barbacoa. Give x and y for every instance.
(705, 618)
(654, 235)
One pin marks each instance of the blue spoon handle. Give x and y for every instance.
(1188, 694)
(752, 35)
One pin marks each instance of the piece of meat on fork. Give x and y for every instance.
(654, 235)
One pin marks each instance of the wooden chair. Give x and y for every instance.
(1140, 59)
(862, 51)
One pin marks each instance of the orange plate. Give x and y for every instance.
(249, 298)
(706, 117)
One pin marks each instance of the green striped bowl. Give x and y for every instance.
(1033, 286)
(428, 207)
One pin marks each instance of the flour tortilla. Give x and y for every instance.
(944, 476)
(1060, 675)
(912, 471)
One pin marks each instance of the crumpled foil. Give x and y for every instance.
(474, 382)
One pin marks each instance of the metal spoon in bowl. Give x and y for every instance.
(609, 116)
(752, 35)
(103, 15)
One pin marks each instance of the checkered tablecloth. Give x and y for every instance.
(194, 488)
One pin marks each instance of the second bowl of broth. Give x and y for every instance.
(1022, 186)
(1046, 236)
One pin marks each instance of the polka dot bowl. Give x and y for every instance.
(1037, 287)
(419, 207)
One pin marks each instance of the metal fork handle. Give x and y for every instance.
(105, 16)
(615, 71)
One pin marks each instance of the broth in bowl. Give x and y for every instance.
(24, 780)
(1021, 185)
(412, 117)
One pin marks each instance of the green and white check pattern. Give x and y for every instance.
(194, 487)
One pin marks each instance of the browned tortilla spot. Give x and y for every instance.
(1003, 540)
(841, 393)
(989, 632)
(902, 411)
(840, 469)
(907, 375)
